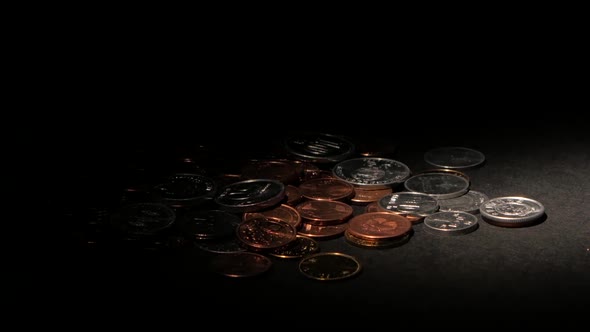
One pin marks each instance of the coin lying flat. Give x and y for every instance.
(371, 172)
(378, 225)
(208, 224)
(454, 157)
(279, 170)
(300, 247)
(376, 243)
(438, 185)
(265, 233)
(468, 202)
(410, 203)
(240, 264)
(184, 189)
(250, 195)
(512, 211)
(450, 223)
(319, 147)
(282, 212)
(329, 266)
(327, 189)
(221, 246)
(143, 218)
(324, 212)
(322, 232)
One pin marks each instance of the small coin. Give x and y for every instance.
(512, 211)
(329, 266)
(371, 172)
(208, 224)
(438, 185)
(324, 212)
(450, 223)
(409, 203)
(376, 243)
(265, 233)
(326, 189)
(185, 189)
(322, 232)
(251, 195)
(319, 147)
(143, 218)
(468, 202)
(282, 212)
(378, 225)
(300, 247)
(454, 157)
(240, 264)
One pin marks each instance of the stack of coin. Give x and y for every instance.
(412, 205)
(378, 230)
(323, 219)
(326, 189)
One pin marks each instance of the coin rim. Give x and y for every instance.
(483, 157)
(331, 253)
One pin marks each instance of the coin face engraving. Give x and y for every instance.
(512, 208)
(251, 194)
(451, 223)
(454, 157)
(265, 233)
(371, 171)
(319, 147)
(329, 266)
(379, 225)
(409, 202)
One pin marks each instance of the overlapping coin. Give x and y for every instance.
(454, 157)
(251, 195)
(450, 223)
(329, 266)
(370, 172)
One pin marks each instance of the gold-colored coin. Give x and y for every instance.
(300, 247)
(329, 266)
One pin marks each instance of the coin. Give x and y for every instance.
(326, 189)
(378, 225)
(225, 245)
(444, 171)
(376, 243)
(240, 264)
(293, 195)
(208, 224)
(450, 223)
(324, 212)
(329, 266)
(371, 172)
(300, 247)
(468, 202)
(251, 195)
(143, 218)
(282, 212)
(512, 211)
(265, 233)
(270, 169)
(322, 232)
(454, 157)
(319, 147)
(367, 196)
(373, 207)
(438, 185)
(185, 189)
(410, 203)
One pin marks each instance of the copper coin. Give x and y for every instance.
(379, 225)
(376, 243)
(303, 169)
(324, 212)
(265, 233)
(270, 169)
(367, 196)
(300, 247)
(323, 232)
(373, 207)
(326, 189)
(329, 266)
(240, 264)
(293, 195)
(320, 174)
(282, 212)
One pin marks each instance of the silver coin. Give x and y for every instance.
(143, 218)
(469, 202)
(412, 203)
(438, 185)
(208, 224)
(513, 209)
(372, 172)
(185, 189)
(454, 157)
(319, 147)
(450, 223)
(250, 195)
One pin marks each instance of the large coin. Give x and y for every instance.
(371, 172)
(454, 157)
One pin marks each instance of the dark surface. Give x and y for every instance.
(535, 273)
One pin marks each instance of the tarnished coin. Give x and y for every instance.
(438, 185)
(282, 212)
(468, 202)
(329, 266)
(410, 203)
(376, 243)
(265, 233)
(322, 232)
(450, 223)
(300, 247)
(513, 211)
(319, 147)
(208, 224)
(324, 212)
(378, 225)
(143, 218)
(328, 189)
(240, 264)
(454, 157)
(282, 171)
(251, 195)
(184, 189)
(371, 172)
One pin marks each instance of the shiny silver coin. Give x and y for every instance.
(513, 209)
(185, 189)
(450, 223)
(438, 185)
(250, 195)
(143, 218)
(208, 224)
(410, 203)
(371, 172)
(454, 157)
(319, 147)
(468, 202)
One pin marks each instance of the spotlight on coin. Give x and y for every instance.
(512, 211)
